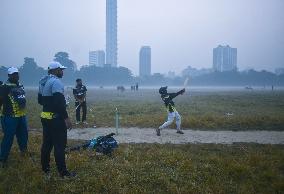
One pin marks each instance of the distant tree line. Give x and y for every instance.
(30, 74)
(236, 78)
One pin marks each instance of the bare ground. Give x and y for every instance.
(148, 135)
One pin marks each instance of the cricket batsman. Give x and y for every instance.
(170, 106)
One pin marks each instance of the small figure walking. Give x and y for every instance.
(172, 112)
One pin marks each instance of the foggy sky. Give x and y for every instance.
(180, 32)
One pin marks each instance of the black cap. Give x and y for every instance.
(163, 90)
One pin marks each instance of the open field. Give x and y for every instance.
(154, 168)
(205, 110)
(162, 168)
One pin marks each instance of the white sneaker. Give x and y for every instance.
(77, 122)
(85, 122)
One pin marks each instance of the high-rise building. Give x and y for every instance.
(145, 61)
(111, 32)
(224, 58)
(97, 58)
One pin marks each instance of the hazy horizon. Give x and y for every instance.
(180, 33)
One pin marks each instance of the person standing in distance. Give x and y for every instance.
(54, 119)
(79, 93)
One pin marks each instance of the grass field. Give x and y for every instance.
(252, 110)
(168, 168)
(153, 168)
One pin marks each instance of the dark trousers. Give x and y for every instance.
(13, 126)
(83, 105)
(1, 118)
(54, 135)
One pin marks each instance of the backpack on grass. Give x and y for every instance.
(102, 144)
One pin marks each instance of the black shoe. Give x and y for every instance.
(47, 175)
(180, 132)
(158, 131)
(67, 175)
(3, 164)
(46, 170)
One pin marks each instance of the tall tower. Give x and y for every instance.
(111, 32)
(145, 61)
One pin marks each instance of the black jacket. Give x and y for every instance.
(168, 100)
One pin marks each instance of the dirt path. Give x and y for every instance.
(148, 135)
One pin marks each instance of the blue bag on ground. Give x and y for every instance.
(105, 144)
(102, 144)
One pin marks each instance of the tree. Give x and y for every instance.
(105, 75)
(63, 59)
(29, 64)
(29, 68)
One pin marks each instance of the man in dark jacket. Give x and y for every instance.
(13, 114)
(172, 112)
(79, 93)
(54, 119)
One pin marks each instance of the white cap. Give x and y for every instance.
(55, 65)
(12, 70)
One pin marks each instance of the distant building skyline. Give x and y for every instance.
(173, 28)
(145, 61)
(97, 58)
(171, 74)
(194, 72)
(224, 58)
(111, 32)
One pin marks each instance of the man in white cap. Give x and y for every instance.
(55, 120)
(13, 100)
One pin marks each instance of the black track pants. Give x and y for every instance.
(84, 108)
(54, 135)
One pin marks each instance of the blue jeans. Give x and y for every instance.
(13, 126)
